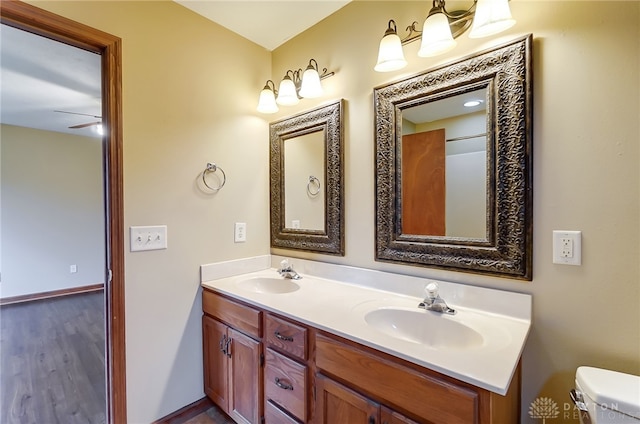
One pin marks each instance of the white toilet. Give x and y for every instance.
(607, 396)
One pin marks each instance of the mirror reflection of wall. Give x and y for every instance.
(304, 157)
(444, 169)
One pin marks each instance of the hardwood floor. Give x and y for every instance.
(52, 362)
(212, 416)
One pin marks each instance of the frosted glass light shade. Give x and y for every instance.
(287, 94)
(311, 86)
(491, 17)
(436, 36)
(267, 101)
(390, 54)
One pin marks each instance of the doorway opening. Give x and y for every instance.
(40, 22)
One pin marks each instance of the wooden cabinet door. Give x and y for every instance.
(245, 378)
(215, 362)
(389, 416)
(338, 404)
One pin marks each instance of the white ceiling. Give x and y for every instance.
(265, 22)
(39, 76)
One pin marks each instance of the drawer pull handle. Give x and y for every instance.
(227, 347)
(281, 337)
(223, 344)
(372, 420)
(283, 386)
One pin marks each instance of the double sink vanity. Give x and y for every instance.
(351, 345)
(318, 349)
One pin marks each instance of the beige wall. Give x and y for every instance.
(190, 90)
(586, 137)
(189, 97)
(52, 211)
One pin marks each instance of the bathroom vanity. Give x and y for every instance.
(309, 351)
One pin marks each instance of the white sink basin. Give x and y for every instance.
(424, 327)
(269, 285)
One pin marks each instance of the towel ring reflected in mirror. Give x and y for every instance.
(211, 169)
(313, 186)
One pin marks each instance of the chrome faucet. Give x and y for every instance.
(286, 270)
(433, 301)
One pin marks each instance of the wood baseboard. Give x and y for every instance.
(187, 412)
(47, 295)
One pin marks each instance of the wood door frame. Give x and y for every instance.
(38, 21)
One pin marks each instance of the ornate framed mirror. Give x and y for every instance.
(306, 181)
(454, 183)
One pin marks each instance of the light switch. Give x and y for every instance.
(148, 238)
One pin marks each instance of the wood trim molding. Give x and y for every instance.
(187, 412)
(38, 21)
(49, 294)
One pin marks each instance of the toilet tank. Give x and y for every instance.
(610, 396)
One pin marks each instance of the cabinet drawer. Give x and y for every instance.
(274, 415)
(285, 384)
(241, 317)
(286, 336)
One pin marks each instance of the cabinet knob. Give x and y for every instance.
(372, 420)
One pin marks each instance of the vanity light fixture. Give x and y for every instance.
(441, 27)
(294, 86)
(267, 101)
(287, 92)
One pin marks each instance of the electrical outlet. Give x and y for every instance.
(73, 269)
(240, 234)
(567, 247)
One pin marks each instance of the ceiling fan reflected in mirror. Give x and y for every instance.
(98, 128)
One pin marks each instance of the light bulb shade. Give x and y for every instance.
(267, 101)
(390, 54)
(436, 36)
(491, 17)
(310, 87)
(287, 93)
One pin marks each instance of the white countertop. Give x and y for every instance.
(338, 307)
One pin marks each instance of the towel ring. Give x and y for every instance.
(313, 186)
(212, 167)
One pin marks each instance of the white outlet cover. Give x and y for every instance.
(576, 239)
(240, 232)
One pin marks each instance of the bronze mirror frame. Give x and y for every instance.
(329, 240)
(506, 71)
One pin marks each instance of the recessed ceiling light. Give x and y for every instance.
(472, 103)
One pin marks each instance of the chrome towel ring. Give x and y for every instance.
(212, 167)
(313, 186)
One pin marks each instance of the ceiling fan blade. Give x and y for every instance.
(78, 113)
(85, 125)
